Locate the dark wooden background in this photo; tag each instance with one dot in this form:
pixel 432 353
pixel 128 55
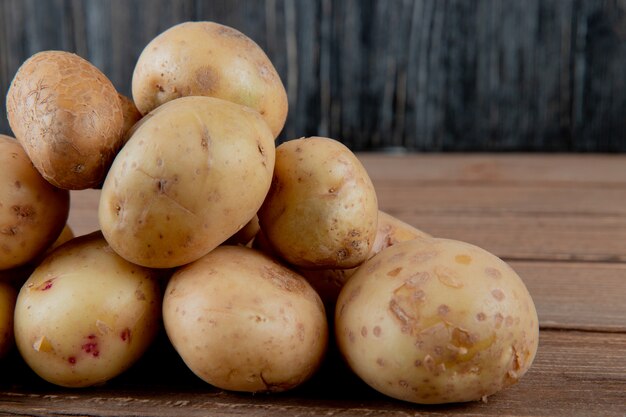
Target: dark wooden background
pixel 429 75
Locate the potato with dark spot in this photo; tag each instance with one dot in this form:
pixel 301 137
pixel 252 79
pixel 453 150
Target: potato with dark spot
pixel 243 322
pixel 328 282
pixel 7 306
pixel 192 174
pixel 209 59
pixel 436 321
pixel 67 116
pixel 32 211
pixel 321 211
pixel 85 314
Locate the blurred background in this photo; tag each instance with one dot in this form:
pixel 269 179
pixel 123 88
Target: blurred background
pixel 415 75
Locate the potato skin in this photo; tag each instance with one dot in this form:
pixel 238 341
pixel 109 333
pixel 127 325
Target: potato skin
pixel 243 322
pixel 67 116
pixel 7 306
pixel 245 235
pixel 32 211
pixel 195 172
pixel 209 59
pixel 321 210
pixel 130 115
pixel 436 321
pixel 328 282
pixel 85 314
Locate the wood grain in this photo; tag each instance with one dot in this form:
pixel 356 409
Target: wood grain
pixel 434 75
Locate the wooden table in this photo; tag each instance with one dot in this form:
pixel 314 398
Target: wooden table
pixel 559 220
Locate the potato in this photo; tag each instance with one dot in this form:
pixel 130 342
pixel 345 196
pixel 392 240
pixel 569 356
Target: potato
pixel 67 116
pixel 435 321
pixel 66 235
pixel 209 59
pixel 130 115
pixel 193 174
pixel 85 315
pixel 243 322
pixel 245 235
pixel 328 282
pixel 7 305
pixel 32 211
pixel 321 210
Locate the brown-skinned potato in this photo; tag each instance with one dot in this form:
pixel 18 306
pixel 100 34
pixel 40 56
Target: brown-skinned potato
pixel 67 116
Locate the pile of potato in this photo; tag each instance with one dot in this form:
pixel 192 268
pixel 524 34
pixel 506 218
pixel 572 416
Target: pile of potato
pixel 243 250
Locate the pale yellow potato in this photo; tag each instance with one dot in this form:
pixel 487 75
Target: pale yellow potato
pixel 321 210
pixel 85 314
pixel 328 282
pixel 436 321
pixel 191 175
pixel 18 275
pixel 7 306
pixel 32 211
pixel 209 59
pixel 67 116
pixel 243 322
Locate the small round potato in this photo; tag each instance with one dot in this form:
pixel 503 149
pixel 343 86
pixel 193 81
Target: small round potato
pixel 7 306
pixel 328 282
pixel 209 59
pixel 243 322
pixel 321 210
pixel 131 115
pixel 85 314
pixel 32 211
pixel 193 174
pixel 436 321
pixel 67 116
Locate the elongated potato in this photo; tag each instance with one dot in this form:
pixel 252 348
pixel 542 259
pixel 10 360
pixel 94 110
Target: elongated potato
pixel 194 173
pixel 209 59
pixel 67 116
pixel 32 211
pixel 243 322
pixel 321 211
pixel 85 314
pixel 436 321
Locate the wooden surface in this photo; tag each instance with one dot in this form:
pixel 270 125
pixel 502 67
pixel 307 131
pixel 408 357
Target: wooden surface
pixel 559 220
pixel 422 74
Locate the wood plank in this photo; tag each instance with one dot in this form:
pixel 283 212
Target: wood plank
pixel 512 169
pixel 574 374
pixel 582 296
pixel 510 236
pixel 496 200
pixel 83 217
